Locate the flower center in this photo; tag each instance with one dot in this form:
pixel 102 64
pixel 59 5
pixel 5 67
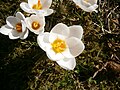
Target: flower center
pixel 19 27
pixel 37 6
pixel 58 45
pixel 35 25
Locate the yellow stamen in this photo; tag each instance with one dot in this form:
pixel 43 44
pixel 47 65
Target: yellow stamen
pixel 35 25
pixel 59 45
pixel 19 27
pixel 37 6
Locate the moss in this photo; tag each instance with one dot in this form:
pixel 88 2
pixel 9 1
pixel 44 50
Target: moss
pixel 24 66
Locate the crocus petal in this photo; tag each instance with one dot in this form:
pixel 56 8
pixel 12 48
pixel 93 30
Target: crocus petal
pixel 5 29
pixel 81 3
pixel 46 37
pixel 87 6
pixel 39 31
pixel 85 3
pixel 12 21
pixel 40 12
pixel 88 9
pixel 76 31
pixel 53 37
pixel 61 29
pixel 52 55
pixel 67 53
pixel 13 35
pixel 75 46
pixel 93 8
pixel 76 1
pixel 24 35
pixel 41 21
pixel 20 16
pixel 32 2
pixel 25 7
pixel 43 40
pixel 36 18
pixel 23 26
pixel 93 1
pixel 45 12
pixel 67 63
pixel 46 3
pixel 48 12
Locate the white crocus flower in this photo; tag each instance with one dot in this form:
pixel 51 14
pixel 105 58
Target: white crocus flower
pixel 36 23
pixel 87 5
pixel 37 6
pixel 63 44
pixel 15 27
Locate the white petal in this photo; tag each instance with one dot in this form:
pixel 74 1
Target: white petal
pixel 54 36
pixel 25 32
pixel 25 7
pixel 93 1
pixel 5 30
pixel 24 35
pixel 40 12
pixel 43 12
pixel 60 29
pixel 82 3
pixel 76 1
pixel 20 16
pixel 76 31
pixel 46 37
pixel 32 2
pixel 40 31
pixel 12 21
pixel 67 63
pixel 43 40
pixel 52 55
pixel 46 3
pixel 75 46
pixel 67 53
pixel 93 7
pixel 85 3
pixel 23 26
pixel 48 12
pixel 35 18
pixel 41 20
pixel 87 6
pixel 12 35
pixel 40 41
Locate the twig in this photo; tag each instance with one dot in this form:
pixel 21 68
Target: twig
pixel 108 20
pixel 112 11
pixel 103 67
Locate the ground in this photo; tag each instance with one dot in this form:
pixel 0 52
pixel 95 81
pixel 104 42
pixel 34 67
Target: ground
pixel 24 66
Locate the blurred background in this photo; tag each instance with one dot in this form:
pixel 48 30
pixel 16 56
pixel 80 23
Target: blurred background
pixel 24 66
